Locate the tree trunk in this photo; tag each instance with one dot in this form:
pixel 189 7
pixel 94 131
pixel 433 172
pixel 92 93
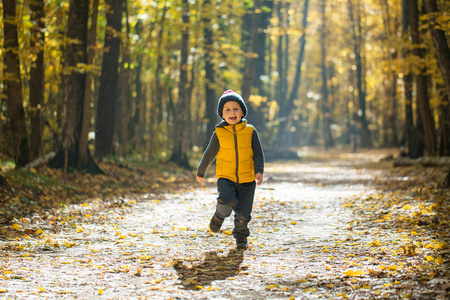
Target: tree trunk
pixel 210 74
pixel 13 80
pixel 249 71
pixel 260 68
pixel 390 130
pixel 440 42
pixel 421 83
pixel 106 108
pixel 139 115
pixel 286 111
pixel 37 77
pixel 280 89
pixel 158 108
pixel 366 140
pixel 88 92
pixel 74 88
pixel 125 95
pixel 409 135
pixel 182 115
pixel 326 126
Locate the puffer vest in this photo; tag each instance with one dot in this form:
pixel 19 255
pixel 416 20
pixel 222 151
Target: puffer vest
pixel 234 161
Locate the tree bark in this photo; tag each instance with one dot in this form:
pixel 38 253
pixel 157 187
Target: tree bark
pixel 182 115
pixel 74 88
pixel 210 74
pixel 13 80
pixel 326 122
pixel 106 108
pixel 366 140
pixel 287 109
pixel 37 76
pixel 421 83
pixel 249 71
pixel 440 42
pixel 125 100
pixel 88 92
pixel 409 135
pixel 260 68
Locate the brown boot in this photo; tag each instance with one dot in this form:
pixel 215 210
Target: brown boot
pixel 215 223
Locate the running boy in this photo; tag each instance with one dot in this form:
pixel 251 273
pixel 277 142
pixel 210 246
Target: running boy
pixel 239 161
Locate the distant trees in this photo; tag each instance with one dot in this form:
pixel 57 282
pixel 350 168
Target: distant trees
pixel 152 72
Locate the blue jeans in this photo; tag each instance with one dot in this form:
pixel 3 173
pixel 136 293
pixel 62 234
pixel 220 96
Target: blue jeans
pixel 237 197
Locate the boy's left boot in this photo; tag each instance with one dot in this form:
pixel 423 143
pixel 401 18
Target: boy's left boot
pixel 215 223
pixel 241 243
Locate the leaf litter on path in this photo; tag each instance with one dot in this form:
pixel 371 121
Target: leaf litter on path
pixel 330 229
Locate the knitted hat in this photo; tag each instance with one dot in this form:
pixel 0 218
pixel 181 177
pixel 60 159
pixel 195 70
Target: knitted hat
pixel 230 95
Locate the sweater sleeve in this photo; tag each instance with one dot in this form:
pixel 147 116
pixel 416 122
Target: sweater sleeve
pixel 258 153
pixel 208 156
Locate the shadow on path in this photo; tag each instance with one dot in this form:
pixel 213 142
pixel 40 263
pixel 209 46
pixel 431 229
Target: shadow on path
pixel 212 267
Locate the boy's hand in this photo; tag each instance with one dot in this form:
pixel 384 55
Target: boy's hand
pixel 259 178
pixel 199 179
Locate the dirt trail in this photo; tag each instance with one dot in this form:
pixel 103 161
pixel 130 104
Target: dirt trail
pixel 160 248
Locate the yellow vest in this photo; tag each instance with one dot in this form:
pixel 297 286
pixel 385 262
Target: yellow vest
pixel 234 160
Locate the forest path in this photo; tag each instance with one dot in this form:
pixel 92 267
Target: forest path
pixel 301 246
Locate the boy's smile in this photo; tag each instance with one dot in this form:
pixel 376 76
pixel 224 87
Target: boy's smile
pixel 232 112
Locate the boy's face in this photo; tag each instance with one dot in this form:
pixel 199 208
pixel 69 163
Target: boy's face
pixel 232 112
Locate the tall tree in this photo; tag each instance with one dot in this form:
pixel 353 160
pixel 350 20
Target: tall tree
pixel 125 99
pixel 409 136
pixel 356 30
pixel 443 56
pixel 423 103
pixel 286 110
pixel 74 87
pixel 439 41
pixel 390 121
pixel 260 68
pixel 106 107
pixel 37 76
pixel 326 115
pixel 88 93
pixel 210 74
pixel 182 115
pixel 249 70
pixel 13 80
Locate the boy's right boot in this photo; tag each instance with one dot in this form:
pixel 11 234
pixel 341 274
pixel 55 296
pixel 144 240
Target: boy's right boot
pixel 215 223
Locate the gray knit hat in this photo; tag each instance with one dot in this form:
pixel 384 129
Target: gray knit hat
pixel 230 95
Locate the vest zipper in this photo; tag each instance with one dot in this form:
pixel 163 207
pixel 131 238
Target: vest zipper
pixel 237 153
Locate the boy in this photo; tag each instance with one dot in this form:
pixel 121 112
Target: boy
pixel 239 161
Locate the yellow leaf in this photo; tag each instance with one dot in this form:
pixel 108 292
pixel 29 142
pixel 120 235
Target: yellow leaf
pixel 16 226
pixel 354 273
pixel 227 232
pixel 429 258
pixel 100 291
pixel 375 243
pixel 293 223
pixel 198 287
pixel 441 245
pixel 39 231
pixel 3 290
pixel 80 229
pixel 439 260
pixel 272 286
pixel 87 216
pixel 41 289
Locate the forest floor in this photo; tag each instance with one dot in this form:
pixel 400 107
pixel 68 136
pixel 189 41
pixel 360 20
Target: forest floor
pixel 333 226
